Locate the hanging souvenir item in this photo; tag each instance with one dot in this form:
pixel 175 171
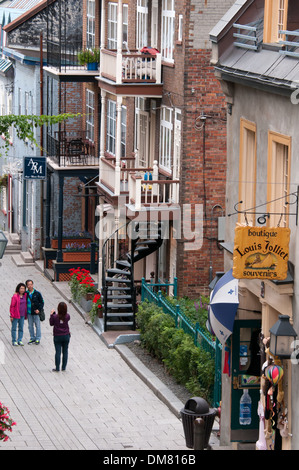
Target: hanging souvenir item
pixel 261 443
pixel 274 374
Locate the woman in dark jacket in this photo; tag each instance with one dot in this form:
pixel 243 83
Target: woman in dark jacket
pixel 61 334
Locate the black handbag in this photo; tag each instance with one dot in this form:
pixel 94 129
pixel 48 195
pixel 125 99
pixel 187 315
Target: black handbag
pixel 42 315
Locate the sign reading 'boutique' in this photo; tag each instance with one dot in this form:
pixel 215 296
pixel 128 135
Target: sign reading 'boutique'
pixel 261 253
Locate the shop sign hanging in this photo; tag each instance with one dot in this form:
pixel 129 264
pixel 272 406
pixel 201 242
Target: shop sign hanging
pixel 261 253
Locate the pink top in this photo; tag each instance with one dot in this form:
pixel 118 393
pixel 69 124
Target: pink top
pixel 15 311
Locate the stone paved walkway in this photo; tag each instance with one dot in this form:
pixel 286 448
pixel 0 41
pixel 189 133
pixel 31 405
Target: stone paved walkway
pixel 97 403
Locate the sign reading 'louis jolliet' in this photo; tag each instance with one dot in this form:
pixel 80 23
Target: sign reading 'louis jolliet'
pixel 261 253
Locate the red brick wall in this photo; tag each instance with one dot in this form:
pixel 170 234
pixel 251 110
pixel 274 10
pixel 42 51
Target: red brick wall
pixel 203 178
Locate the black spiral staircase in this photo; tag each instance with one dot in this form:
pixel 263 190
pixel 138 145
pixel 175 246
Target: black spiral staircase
pixel 118 288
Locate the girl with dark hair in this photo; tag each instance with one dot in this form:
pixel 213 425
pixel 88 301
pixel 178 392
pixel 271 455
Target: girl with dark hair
pixel 61 334
pixel 18 314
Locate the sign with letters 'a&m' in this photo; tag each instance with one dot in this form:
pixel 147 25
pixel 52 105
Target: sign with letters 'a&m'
pixel 261 253
pixel 35 168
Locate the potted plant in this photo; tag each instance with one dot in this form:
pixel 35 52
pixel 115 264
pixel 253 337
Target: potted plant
pixel 82 287
pixel 96 309
pixel 89 57
pixel 6 423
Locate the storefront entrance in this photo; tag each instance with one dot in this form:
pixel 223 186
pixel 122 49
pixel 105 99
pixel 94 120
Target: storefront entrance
pixel 246 366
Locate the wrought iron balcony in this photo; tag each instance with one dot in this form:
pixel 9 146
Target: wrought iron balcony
pixel 71 149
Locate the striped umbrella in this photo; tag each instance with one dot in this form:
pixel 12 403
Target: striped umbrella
pixel 224 302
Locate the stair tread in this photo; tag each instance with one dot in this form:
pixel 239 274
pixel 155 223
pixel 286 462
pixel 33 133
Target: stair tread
pixel 118 271
pixel 119 315
pixel 110 297
pixel 123 263
pixel 117 279
pixel 119 288
pixel 147 241
pixel 120 323
pixel 115 306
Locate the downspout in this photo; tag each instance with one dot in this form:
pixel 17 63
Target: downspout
pixel 41 144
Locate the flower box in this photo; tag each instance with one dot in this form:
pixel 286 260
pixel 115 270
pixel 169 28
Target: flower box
pixel 76 256
pixel 66 241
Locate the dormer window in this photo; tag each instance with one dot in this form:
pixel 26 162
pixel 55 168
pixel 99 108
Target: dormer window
pixel 276 13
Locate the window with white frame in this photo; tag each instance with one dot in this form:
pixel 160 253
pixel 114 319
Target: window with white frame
pixel 167 35
pixel 125 23
pixel 90 26
pixel 89 120
pixel 112 26
pixel 123 130
pixel 111 126
pixel 165 138
pixel 142 24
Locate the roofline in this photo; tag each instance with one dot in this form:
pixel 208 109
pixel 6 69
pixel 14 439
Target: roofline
pixel 235 11
pixel 27 15
pixel 259 82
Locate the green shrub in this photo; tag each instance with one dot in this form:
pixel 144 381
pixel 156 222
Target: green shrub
pixel 190 365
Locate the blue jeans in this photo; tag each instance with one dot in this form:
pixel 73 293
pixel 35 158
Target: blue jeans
pixel 61 346
pixel 17 324
pixel 34 321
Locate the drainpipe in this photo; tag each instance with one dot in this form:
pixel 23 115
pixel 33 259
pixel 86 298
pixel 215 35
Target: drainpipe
pixel 41 78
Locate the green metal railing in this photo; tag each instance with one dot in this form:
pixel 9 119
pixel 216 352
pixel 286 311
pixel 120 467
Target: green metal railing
pixel 152 292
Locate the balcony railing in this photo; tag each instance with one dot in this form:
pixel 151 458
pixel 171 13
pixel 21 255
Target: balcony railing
pixel 71 148
pixel 290 45
pixel 152 193
pixel 249 36
pixel 133 67
pixel 142 184
pixel 63 57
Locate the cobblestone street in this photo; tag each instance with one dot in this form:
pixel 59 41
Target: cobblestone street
pixel 97 403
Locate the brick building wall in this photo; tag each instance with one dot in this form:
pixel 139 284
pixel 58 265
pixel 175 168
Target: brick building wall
pixel 203 164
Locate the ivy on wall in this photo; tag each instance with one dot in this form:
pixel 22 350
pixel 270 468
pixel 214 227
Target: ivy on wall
pixel 26 124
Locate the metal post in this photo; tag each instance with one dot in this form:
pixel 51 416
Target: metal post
pixel 48 211
pixel 93 258
pixel 60 219
pixel 175 287
pixel 177 316
pixel 142 289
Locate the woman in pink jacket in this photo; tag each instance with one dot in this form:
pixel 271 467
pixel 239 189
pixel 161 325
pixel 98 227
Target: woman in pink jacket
pixel 18 313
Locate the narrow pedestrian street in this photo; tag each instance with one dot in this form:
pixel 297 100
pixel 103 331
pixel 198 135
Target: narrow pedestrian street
pixel 97 403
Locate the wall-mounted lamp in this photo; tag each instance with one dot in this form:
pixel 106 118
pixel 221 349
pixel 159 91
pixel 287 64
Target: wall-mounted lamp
pixel 282 335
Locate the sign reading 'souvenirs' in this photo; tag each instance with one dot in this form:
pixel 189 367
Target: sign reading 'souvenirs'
pixel 261 253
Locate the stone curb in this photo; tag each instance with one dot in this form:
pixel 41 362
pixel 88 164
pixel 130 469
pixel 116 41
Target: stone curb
pixel 148 377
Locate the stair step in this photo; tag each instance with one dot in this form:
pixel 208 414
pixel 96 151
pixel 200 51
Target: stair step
pixel 118 271
pixel 116 306
pixel 117 279
pixel 119 288
pixel 119 315
pixel 123 263
pixel 120 323
pixel 148 242
pixel 27 257
pixel 111 297
pixel 141 248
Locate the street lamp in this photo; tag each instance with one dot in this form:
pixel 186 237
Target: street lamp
pixel 282 335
